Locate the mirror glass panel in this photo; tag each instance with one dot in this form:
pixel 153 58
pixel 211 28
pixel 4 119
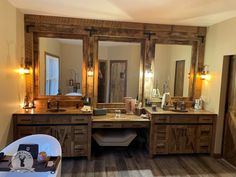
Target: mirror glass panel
pixel 60 66
pixel 172 66
pixel 119 66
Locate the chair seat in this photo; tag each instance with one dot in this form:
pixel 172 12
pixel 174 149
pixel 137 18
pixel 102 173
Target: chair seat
pixel 114 138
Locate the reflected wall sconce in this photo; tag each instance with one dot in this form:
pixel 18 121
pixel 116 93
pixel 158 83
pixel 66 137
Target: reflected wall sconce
pixel 148 74
pixel 90 67
pixel 204 75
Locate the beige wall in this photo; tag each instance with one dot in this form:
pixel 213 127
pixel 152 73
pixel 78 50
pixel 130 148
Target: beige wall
pixel 220 41
pixel 12 90
pixel 71 63
pixel 164 65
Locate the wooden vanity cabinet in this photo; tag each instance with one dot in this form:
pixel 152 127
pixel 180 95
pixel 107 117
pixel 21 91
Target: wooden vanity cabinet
pixel 180 134
pixel 72 131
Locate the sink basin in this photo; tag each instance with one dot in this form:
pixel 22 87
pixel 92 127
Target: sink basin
pixel 178 110
pixel 56 110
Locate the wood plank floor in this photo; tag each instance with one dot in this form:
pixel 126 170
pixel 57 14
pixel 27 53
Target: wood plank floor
pixel 116 163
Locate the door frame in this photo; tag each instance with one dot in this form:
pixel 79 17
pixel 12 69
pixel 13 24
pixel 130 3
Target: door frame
pixel 106 78
pixel 175 76
pixel 224 96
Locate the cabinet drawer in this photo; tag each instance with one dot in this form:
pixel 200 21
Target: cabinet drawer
pixel 106 125
pixel 41 119
pixel 161 119
pixel 184 119
pixel 161 147
pixel 79 119
pixel 60 119
pixel 80 150
pixel 135 125
pixel 80 134
pixel 205 119
pixel 24 119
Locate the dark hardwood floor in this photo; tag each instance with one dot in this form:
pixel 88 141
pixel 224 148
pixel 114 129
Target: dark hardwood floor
pixel 117 163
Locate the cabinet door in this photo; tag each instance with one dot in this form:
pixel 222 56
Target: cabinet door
pixel 23 131
pixel 47 130
pixel 204 137
pixel 63 135
pixel 182 139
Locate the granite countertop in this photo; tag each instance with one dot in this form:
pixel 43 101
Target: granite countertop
pixel 123 117
pixel 67 111
pixel 189 112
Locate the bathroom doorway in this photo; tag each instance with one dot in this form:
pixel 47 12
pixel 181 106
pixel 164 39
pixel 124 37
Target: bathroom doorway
pixel 229 139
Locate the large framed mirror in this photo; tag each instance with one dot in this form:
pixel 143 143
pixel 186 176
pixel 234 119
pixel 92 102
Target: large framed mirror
pixel 174 69
pixel 172 66
pixel 59 67
pixel 119 66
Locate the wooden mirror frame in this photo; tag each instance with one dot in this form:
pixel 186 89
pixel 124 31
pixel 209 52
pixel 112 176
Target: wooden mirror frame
pixel 75 28
pixel 36 68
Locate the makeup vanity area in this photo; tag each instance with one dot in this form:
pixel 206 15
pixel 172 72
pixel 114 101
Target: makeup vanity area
pixel 107 61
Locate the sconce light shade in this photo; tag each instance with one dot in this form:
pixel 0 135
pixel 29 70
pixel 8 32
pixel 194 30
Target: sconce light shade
pixel 90 71
pixel 148 74
pixel 205 73
pixel 24 70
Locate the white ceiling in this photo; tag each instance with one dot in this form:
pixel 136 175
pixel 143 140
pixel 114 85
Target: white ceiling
pixel 181 12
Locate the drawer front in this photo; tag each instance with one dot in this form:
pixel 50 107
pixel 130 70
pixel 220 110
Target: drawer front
pixel 205 119
pixel 41 119
pixel 60 119
pixel 80 134
pixel 184 119
pixel 24 119
pixel 161 132
pixel 79 119
pixel 107 125
pixel 161 147
pixel 79 150
pixel 135 125
pixel 161 119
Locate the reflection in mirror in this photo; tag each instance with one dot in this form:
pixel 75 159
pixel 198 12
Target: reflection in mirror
pixel 60 66
pixel 52 74
pixel 119 65
pixel 172 65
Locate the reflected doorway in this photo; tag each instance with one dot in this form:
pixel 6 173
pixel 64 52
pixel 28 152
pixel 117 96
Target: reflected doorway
pixel 102 81
pixel 118 80
pixel 179 78
pixel 229 141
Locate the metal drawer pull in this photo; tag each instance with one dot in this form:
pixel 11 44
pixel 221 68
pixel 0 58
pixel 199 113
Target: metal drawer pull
pixel 77 119
pixel 160 145
pixel 79 133
pixel 107 125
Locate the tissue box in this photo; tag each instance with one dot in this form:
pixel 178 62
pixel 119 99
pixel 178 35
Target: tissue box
pixel 99 111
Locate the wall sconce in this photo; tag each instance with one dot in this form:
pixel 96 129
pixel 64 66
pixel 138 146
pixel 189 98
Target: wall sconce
pixel 90 67
pixel 24 70
pixel 205 73
pixel 148 73
pixel 90 71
